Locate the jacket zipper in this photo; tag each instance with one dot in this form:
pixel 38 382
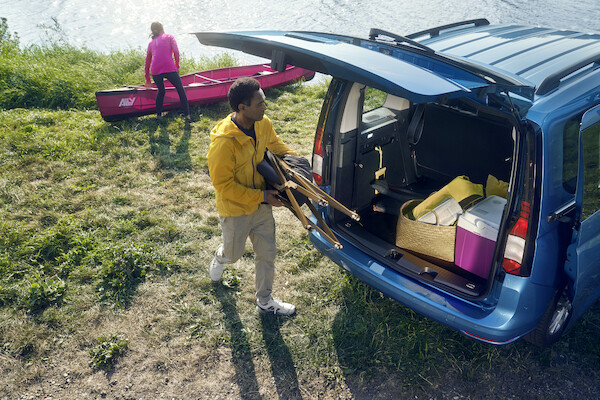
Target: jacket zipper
pixel 253 166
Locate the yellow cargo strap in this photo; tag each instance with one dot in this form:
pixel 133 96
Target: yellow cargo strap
pixel 380 173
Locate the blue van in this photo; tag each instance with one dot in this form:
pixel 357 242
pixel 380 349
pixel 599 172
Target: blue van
pixel 405 115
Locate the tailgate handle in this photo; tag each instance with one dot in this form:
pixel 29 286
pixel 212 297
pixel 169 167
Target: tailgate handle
pixel 278 60
pixel 564 213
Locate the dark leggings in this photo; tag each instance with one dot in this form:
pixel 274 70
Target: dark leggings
pixel 175 80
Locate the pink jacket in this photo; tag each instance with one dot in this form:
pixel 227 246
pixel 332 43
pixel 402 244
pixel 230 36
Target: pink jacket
pixel 159 56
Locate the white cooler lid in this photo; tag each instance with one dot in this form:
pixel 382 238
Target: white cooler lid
pixel 483 218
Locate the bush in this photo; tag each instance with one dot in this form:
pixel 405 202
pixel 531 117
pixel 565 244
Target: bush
pixel 59 75
pixel 62 77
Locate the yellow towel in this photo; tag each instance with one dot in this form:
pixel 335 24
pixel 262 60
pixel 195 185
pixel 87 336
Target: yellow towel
pixel 496 187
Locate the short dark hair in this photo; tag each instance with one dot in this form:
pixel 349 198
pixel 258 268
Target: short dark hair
pixel 241 92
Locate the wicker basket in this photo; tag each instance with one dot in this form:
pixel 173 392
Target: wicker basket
pixel 420 237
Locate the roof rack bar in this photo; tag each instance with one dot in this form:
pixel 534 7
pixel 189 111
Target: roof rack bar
pixel 436 31
pixel 374 32
pixel 552 81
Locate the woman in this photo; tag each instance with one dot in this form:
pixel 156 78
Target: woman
pixel 159 61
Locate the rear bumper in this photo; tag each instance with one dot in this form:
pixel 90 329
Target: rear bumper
pixel 517 311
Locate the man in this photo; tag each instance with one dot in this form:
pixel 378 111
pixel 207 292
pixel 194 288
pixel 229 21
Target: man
pixel 237 146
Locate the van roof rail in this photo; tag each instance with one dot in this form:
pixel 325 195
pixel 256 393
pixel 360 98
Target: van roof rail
pixel 436 31
pixel 552 81
pixel 374 32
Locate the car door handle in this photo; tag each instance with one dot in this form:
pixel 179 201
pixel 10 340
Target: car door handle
pixel 562 213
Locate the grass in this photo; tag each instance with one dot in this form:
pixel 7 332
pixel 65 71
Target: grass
pixel 107 351
pixel 105 236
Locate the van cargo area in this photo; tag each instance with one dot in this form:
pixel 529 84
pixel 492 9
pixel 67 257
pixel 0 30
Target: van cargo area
pixel 407 153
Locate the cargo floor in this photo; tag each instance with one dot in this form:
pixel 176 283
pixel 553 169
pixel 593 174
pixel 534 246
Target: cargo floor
pixel 382 226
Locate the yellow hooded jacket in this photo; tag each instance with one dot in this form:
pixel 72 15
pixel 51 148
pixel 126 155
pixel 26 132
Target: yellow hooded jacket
pixel 232 160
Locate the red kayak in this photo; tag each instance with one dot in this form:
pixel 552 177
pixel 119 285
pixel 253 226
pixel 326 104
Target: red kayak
pixel 203 87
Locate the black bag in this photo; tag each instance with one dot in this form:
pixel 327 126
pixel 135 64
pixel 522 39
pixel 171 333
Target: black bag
pixel 299 164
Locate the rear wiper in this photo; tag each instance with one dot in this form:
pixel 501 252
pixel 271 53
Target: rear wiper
pixel 398 39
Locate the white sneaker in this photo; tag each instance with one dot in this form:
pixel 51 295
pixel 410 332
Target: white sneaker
pixel 215 270
pixel 276 307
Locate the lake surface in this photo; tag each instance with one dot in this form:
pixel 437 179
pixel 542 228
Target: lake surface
pixel 116 24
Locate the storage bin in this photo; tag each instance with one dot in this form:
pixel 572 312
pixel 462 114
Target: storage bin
pixel 476 234
pixel 432 240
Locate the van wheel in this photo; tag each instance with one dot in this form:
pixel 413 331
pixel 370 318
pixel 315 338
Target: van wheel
pixel 553 323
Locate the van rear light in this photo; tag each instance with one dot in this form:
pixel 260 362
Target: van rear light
pixel 317 159
pixel 516 242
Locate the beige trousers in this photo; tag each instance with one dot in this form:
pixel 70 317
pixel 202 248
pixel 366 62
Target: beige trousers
pixel 260 227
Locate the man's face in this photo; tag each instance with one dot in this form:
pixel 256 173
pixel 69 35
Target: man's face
pixel 256 110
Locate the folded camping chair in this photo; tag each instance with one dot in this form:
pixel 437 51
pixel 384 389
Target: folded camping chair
pixel 296 183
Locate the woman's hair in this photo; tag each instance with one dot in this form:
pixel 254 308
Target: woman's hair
pixel 156 28
pixel 242 91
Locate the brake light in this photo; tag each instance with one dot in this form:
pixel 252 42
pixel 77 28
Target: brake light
pixel 317 159
pixel 516 241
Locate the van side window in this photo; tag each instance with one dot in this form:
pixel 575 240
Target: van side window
pixel 374 98
pixel 374 109
pixel 591 171
pixel 570 154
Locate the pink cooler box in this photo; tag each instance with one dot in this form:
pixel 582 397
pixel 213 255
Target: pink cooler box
pixel 476 234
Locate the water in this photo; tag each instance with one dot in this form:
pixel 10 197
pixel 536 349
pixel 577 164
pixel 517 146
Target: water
pixel 117 24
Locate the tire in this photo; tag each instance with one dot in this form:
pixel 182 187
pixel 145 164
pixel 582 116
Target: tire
pixel 554 321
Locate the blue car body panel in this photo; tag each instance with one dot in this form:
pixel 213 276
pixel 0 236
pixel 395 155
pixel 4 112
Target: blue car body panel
pixel 399 71
pixel 530 53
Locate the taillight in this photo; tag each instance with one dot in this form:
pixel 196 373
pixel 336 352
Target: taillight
pixel 514 250
pixel 321 150
pixel 317 159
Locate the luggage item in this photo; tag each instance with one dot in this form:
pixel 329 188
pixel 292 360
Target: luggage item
pixel 460 188
pixel 476 234
pixel 297 182
pixel 431 240
pixel 300 164
pixel 446 213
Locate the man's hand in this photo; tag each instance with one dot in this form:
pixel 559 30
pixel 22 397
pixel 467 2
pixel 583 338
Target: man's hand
pixel 272 198
pixel 148 84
